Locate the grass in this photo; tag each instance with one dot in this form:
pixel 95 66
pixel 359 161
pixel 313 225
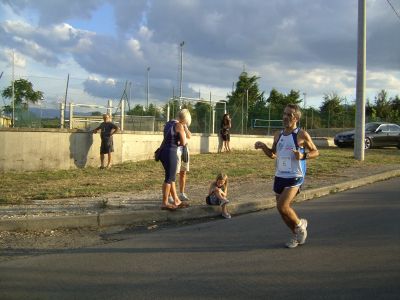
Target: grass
pixel 22 187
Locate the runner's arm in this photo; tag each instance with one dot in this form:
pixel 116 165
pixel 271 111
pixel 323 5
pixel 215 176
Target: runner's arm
pixel 270 152
pixel 309 145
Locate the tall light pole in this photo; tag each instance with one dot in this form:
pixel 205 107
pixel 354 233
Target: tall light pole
pixel 305 108
pixel 13 90
pixel 147 94
pixel 269 116
pixel 360 88
pixel 247 108
pixel 181 73
pixel 242 111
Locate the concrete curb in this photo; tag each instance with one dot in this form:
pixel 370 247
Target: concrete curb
pixel 108 219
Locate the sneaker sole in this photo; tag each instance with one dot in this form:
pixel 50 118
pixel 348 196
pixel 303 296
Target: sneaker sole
pixel 305 233
pixel 291 247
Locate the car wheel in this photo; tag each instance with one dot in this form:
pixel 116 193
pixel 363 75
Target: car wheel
pixel 368 143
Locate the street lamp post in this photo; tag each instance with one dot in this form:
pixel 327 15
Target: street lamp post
pixel 181 73
pixel 269 116
pixel 147 92
pixel 13 90
pixel 247 108
pixel 305 108
pixel 41 111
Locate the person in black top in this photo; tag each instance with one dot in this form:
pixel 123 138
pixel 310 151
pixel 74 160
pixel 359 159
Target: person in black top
pixel 107 128
pixel 226 124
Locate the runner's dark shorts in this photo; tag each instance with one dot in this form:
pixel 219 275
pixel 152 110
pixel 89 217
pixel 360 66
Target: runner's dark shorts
pixel 107 146
pixel 281 183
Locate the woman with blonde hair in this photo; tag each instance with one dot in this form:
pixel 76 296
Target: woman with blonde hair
pixel 174 136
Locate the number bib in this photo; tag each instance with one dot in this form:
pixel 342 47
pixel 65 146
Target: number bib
pixel 284 164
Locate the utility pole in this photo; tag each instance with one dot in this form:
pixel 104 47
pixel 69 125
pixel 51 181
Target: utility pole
pixel 269 116
pixel 305 108
pixel 148 71
pixel 13 90
pixel 242 111
pixel 247 109
pixel 66 95
pixel 181 74
pixel 360 89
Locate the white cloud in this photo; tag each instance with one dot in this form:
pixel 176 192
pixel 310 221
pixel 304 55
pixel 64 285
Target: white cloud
pixel 9 56
pixel 134 46
pixel 303 45
pixel 145 33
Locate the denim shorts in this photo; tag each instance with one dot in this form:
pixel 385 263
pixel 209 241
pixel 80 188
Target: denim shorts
pixel 281 183
pixel 212 200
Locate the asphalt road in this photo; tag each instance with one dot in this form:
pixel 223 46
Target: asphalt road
pixel 353 252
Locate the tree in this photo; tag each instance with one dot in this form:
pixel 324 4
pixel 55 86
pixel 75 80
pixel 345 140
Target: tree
pixel 395 109
pixel 23 93
pixel 382 105
pixel 370 111
pixel 279 100
pixel 246 100
pixel 202 116
pixel 332 110
pixel 137 110
pixel 152 110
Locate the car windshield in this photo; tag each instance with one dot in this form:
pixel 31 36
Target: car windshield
pixel 371 126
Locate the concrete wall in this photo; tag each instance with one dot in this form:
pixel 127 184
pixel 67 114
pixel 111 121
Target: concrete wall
pixel 29 150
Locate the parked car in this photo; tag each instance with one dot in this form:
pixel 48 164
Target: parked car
pixel 377 134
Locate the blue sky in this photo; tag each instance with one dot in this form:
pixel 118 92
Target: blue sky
pixel 309 46
pixel 101 21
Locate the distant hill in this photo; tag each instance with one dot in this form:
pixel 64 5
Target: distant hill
pixel 51 113
pixel 48 113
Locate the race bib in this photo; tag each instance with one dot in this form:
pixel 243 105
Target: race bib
pixel 284 164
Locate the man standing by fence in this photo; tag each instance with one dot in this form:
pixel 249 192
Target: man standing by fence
pixel 107 145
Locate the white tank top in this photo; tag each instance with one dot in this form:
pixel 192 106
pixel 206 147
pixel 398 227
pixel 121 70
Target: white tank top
pixel 287 166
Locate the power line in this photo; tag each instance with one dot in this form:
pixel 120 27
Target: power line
pixel 397 14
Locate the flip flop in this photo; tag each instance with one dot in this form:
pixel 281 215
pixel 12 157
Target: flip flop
pixel 170 208
pixel 183 205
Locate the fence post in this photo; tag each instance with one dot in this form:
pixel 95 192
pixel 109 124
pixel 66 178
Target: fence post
pixel 62 114
pixel 71 115
pixel 213 120
pixel 122 115
pixel 168 111
pixel 109 108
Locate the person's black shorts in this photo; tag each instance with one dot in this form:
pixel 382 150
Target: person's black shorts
pixel 107 146
pixel 281 183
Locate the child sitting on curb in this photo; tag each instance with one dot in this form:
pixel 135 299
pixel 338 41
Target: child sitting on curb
pixel 217 194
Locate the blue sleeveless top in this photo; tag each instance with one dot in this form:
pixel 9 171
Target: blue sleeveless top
pixel 171 137
pixel 287 166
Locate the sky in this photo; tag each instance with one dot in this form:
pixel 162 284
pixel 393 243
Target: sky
pixel 107 46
